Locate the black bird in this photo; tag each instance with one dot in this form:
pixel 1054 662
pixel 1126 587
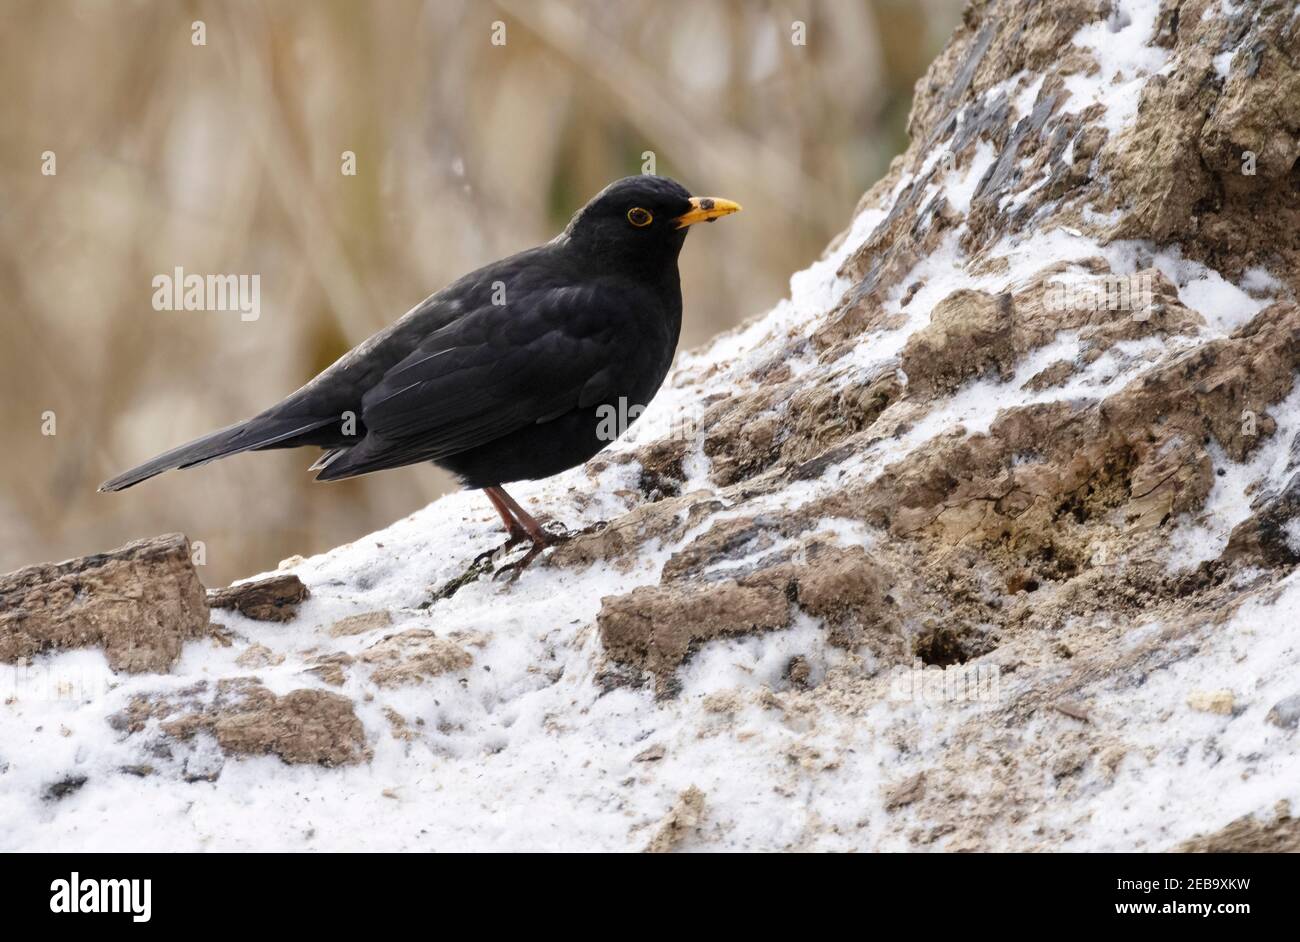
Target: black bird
pixel 508 373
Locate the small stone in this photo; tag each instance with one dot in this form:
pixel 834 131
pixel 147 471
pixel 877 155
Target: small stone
pixel 259 655
pixel 797 672
pixel 683 819
pixel 331 668
pixel 57 791
pixel 1212 701
pixel 273 599
pixel 1285 713
pixel 1074 711
pixel 356 624
pixel 905 792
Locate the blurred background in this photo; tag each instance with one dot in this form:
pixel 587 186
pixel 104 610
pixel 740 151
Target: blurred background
pixel 225 158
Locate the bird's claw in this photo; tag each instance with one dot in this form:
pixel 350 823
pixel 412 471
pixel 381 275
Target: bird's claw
pixel 551 533
pixel 499 552
pixel 510 572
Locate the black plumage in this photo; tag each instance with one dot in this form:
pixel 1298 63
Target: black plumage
pixel 502 375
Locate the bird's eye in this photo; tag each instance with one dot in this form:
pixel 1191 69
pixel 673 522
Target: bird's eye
pixel 639 217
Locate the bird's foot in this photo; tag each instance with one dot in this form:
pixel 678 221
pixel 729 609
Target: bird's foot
pixel 492 555
pixel 511 572
pixel 546 536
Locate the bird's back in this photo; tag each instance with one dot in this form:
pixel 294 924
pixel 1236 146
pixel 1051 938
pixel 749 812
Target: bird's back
pixel 534 340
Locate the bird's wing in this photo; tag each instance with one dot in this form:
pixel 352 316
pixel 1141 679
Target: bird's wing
pixel 493 371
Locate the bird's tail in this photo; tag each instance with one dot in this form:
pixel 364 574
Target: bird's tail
pixel 261 432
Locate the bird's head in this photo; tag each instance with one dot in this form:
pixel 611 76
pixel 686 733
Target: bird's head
pixel 641 222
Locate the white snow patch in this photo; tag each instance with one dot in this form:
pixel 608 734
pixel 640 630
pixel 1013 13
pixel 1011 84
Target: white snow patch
pixel 1223 63
pixel 1236 486
pixel 1186 772
pixel 1121 44
pixel 961 188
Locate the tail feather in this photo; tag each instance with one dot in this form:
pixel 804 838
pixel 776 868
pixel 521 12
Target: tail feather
pixel 261 432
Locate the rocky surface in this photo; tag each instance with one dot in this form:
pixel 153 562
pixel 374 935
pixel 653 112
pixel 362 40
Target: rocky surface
pixel 302 726
pixel 986 539
pixel 138 604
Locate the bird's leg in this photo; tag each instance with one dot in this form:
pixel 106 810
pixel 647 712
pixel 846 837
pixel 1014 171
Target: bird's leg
pixel 516 532
pixel 541 538
pixel 502 504
pixel 525 519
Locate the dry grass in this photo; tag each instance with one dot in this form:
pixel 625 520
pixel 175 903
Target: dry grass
pixel 226 159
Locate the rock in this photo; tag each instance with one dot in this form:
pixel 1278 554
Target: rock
pixel 666 519
pixel 847 589
pixel 139 604
pixel 969 333
pixel 661 468
pixel 275 598
pixel 1278 833
pixel 57 791
pixel 1211 701
pixel 399 725
pixel 654 627
pixel 798 672
pixel 1074 711
pixel 331 668
pixel 725 703
pixel 905 792
pixel 1285 713
pixel 724 541
pixel 302 726
pixel 258 655
pixel 1054 375
pixel 413 656
pixel 682 820
pixel 1267 536
pixel 360 623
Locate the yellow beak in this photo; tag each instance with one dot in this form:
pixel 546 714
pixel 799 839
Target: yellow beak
pixel 706 209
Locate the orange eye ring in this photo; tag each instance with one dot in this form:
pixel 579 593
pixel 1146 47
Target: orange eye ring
pixel 639 217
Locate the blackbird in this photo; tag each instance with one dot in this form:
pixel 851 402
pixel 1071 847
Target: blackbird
pixel 509 373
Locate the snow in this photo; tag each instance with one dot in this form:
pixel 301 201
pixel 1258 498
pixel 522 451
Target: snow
pixel 963 188
pixel 1121 44
pixel 1187 771
pixel 1025 99
pixel 1236 485
pixel 1223 63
